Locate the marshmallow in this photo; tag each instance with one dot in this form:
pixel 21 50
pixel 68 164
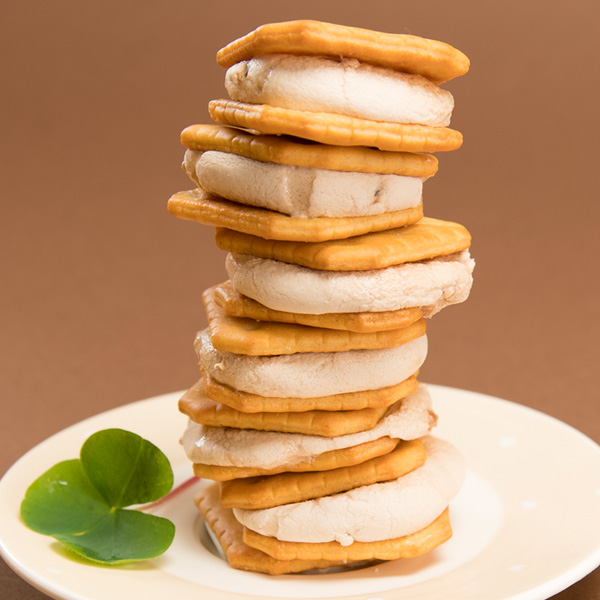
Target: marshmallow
pixel 431 284
pixel 346 87
pixel 370 513
pixel 311 374
pixel 301 191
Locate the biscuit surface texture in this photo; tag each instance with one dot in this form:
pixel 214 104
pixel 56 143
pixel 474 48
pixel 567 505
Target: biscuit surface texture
pixel 290 151
pixel 267 338
pixel 435 60
pixel 286 488
pixel 426 239
pixel 200 409
pixel 202 207
pixel 335 129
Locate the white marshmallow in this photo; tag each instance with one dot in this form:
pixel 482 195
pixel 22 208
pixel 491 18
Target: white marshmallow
pixel 301 191
pixel 346 87
pixel 431 284
pixel 311 374
pixel 410 419
pixel 371 513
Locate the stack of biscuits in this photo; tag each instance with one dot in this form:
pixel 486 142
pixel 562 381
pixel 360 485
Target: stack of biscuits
pixel 308 415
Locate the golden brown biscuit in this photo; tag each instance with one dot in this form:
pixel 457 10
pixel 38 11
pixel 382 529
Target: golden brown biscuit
pixel 288 151
pixel 434 60
pixel 229 534
pixel 334 459
pixel 335 129
pixel 237 305
pixel 268 338
pixel 275 490
pixel 409 546
pixel 429 238
pixel 203 410
pixel 201 207
pixel 247 402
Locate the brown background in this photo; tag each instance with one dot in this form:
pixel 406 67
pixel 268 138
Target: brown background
pixel 101 287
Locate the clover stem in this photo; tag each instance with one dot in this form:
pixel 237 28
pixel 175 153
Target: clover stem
pixel 174 492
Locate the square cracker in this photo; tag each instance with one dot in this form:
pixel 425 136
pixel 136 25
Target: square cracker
pixel 429 238
pixel 268 338
pixel 201 409
pixel 229 534
pixel 238 305
pixel 335 129
pixel 275 490
pixel 292 151
pixel 437 61
pixel 202 207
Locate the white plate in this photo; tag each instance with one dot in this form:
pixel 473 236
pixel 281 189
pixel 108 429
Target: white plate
pixel 527 521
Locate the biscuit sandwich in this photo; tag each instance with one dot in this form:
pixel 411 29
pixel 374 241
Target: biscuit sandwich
pixel 308 415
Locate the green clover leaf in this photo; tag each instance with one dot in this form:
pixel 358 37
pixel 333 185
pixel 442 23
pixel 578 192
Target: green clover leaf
pixel 82 502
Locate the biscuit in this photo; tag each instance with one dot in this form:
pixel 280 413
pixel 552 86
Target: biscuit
pixel 268 338
pixel 237 305
pixel 335 129
pixel 247 402
pixel 408 546
pixel 201 409
pixel 429 238
pixel 287 151
pixel 266 492
pixel 229 535
pixel 434 60
pixel 333 459
pixel 201 207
